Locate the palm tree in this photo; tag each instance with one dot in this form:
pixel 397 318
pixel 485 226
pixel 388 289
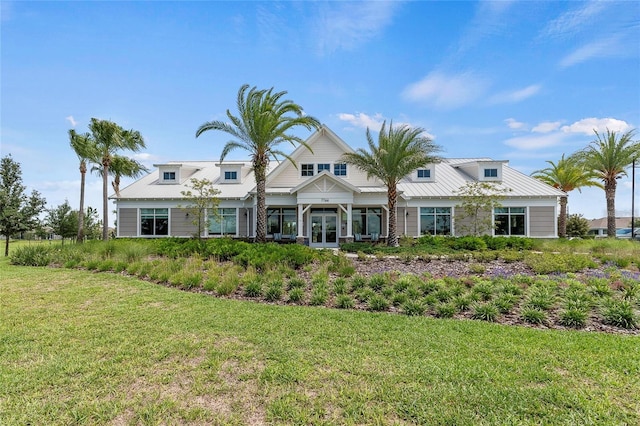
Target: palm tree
pixel 399 152
pixel 566 175
pixel 608 156
pixel 83 146
pixel 263 123
pixel 121 167
pixel 109 139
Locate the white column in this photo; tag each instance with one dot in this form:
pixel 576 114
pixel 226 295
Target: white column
pixel 300 221
pixel 349 221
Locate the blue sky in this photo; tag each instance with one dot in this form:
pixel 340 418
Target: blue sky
pixel 518 81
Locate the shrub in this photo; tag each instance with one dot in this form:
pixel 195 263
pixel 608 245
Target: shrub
pixel 483 290
pixel 547 263
pixel 399 299
pixel 296 295
pixel 577 226
pixel 413 308
pixel 575 318
pixel 533 315
pixel 253 288
pixel 377 282
pixel 505 303
pixel 469 243
pixel 477 268
pixel 358 282
pixel 296 282
pixel 344 301
pixel 462 303
pixel 340 286
pixel 619 313
pixel 35 255
pixel 378 303
pixel 485 256
pixel 319 295
pixel 106 265
pixel 228 284
pixel 445 310
pixel 485 312
pixel 274 291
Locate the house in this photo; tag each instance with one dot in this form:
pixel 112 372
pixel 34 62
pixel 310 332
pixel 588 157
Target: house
pixel 598 227
pixel 324 202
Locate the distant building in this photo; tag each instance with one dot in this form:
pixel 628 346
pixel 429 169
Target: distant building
pixel 598 227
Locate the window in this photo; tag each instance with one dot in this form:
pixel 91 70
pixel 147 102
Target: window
pixel 154 221
pixel 435 220
pixel 169 176
pixel 306 170
pixel 324 166
pixel 424 173
pixel 509 220
pixel 366 220
pixel 340 169
pixel 282 221
pixel 224 223
pixel 230 175
pixel 491 173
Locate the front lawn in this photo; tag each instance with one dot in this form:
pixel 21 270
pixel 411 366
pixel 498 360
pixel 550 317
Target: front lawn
pixel 79 347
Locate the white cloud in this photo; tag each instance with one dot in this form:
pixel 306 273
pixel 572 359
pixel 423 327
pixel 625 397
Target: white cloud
pixel 547 126
pixel 71 120
pixel 588 125
pixel 533 142
pixel 599 49
pixel 363 120
pixel 514 124
pixel 446 91
pixel 515 95
pixel 347 25
pixel 574 20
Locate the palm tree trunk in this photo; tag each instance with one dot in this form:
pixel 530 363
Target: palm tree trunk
pixel 105 201
pixel 562 220
pixel 83 172
pixel 260 170
pixel 610 193
pixel 392 195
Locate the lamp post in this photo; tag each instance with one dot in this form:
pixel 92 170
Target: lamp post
pixel 633 198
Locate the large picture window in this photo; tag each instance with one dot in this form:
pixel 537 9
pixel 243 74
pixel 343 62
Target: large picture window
pixel 224 223
pixel 154 221
pixel 510 221
pixel 435 220
pixel 367 221
pixel 281 221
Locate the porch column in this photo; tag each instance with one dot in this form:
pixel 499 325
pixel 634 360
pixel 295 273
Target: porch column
pixel 349 221
pixel 300 219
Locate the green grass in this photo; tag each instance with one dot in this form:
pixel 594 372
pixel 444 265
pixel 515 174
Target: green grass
pixel 78 347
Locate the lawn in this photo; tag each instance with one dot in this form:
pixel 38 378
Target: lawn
pixel 80 347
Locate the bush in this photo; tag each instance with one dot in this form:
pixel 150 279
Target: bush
pixel 32 255
pixel 445 310
pixel 619 313
pixel 485 312
pixel 477 268
pixel 319 295
pixel 575 318
pixel 296 295
pixel 378 303
pixel 469 243
pixel 344 301
pixel 533 316
pixel 253 288
pixel 577 226
pixel 274 291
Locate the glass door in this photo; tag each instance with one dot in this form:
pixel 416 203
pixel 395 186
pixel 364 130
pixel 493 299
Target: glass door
pixel 324 230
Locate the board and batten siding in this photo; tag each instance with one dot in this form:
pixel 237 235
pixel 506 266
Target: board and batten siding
pixel 542 221
pixel 128 222
pixel 408 224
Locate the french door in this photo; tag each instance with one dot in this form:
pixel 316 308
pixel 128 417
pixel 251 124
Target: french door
pixel 324 230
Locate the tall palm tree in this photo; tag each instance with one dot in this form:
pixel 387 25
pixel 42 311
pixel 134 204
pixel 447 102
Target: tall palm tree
pixel 121 167
pixel 83 146
pixel 566 175
pixel 109 139
pixel 263 123
pixel 398 153
pixel 608 156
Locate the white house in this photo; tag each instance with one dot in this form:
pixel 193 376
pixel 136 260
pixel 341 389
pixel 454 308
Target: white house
pixel 323 201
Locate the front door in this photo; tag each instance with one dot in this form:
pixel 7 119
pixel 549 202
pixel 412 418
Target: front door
pixel 324 230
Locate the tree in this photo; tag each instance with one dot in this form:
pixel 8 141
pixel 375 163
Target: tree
pixel 202 202
pixel 109 139
pixel 577 226
pixel 18 211
pixel 121 167
pixel 63 220
pixel 264 122
pixel 608 156
pixel 477 203
pixel 399 152
pixel 566 175
pixel 84 147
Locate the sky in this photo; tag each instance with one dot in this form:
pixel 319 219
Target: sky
pixel 521 81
